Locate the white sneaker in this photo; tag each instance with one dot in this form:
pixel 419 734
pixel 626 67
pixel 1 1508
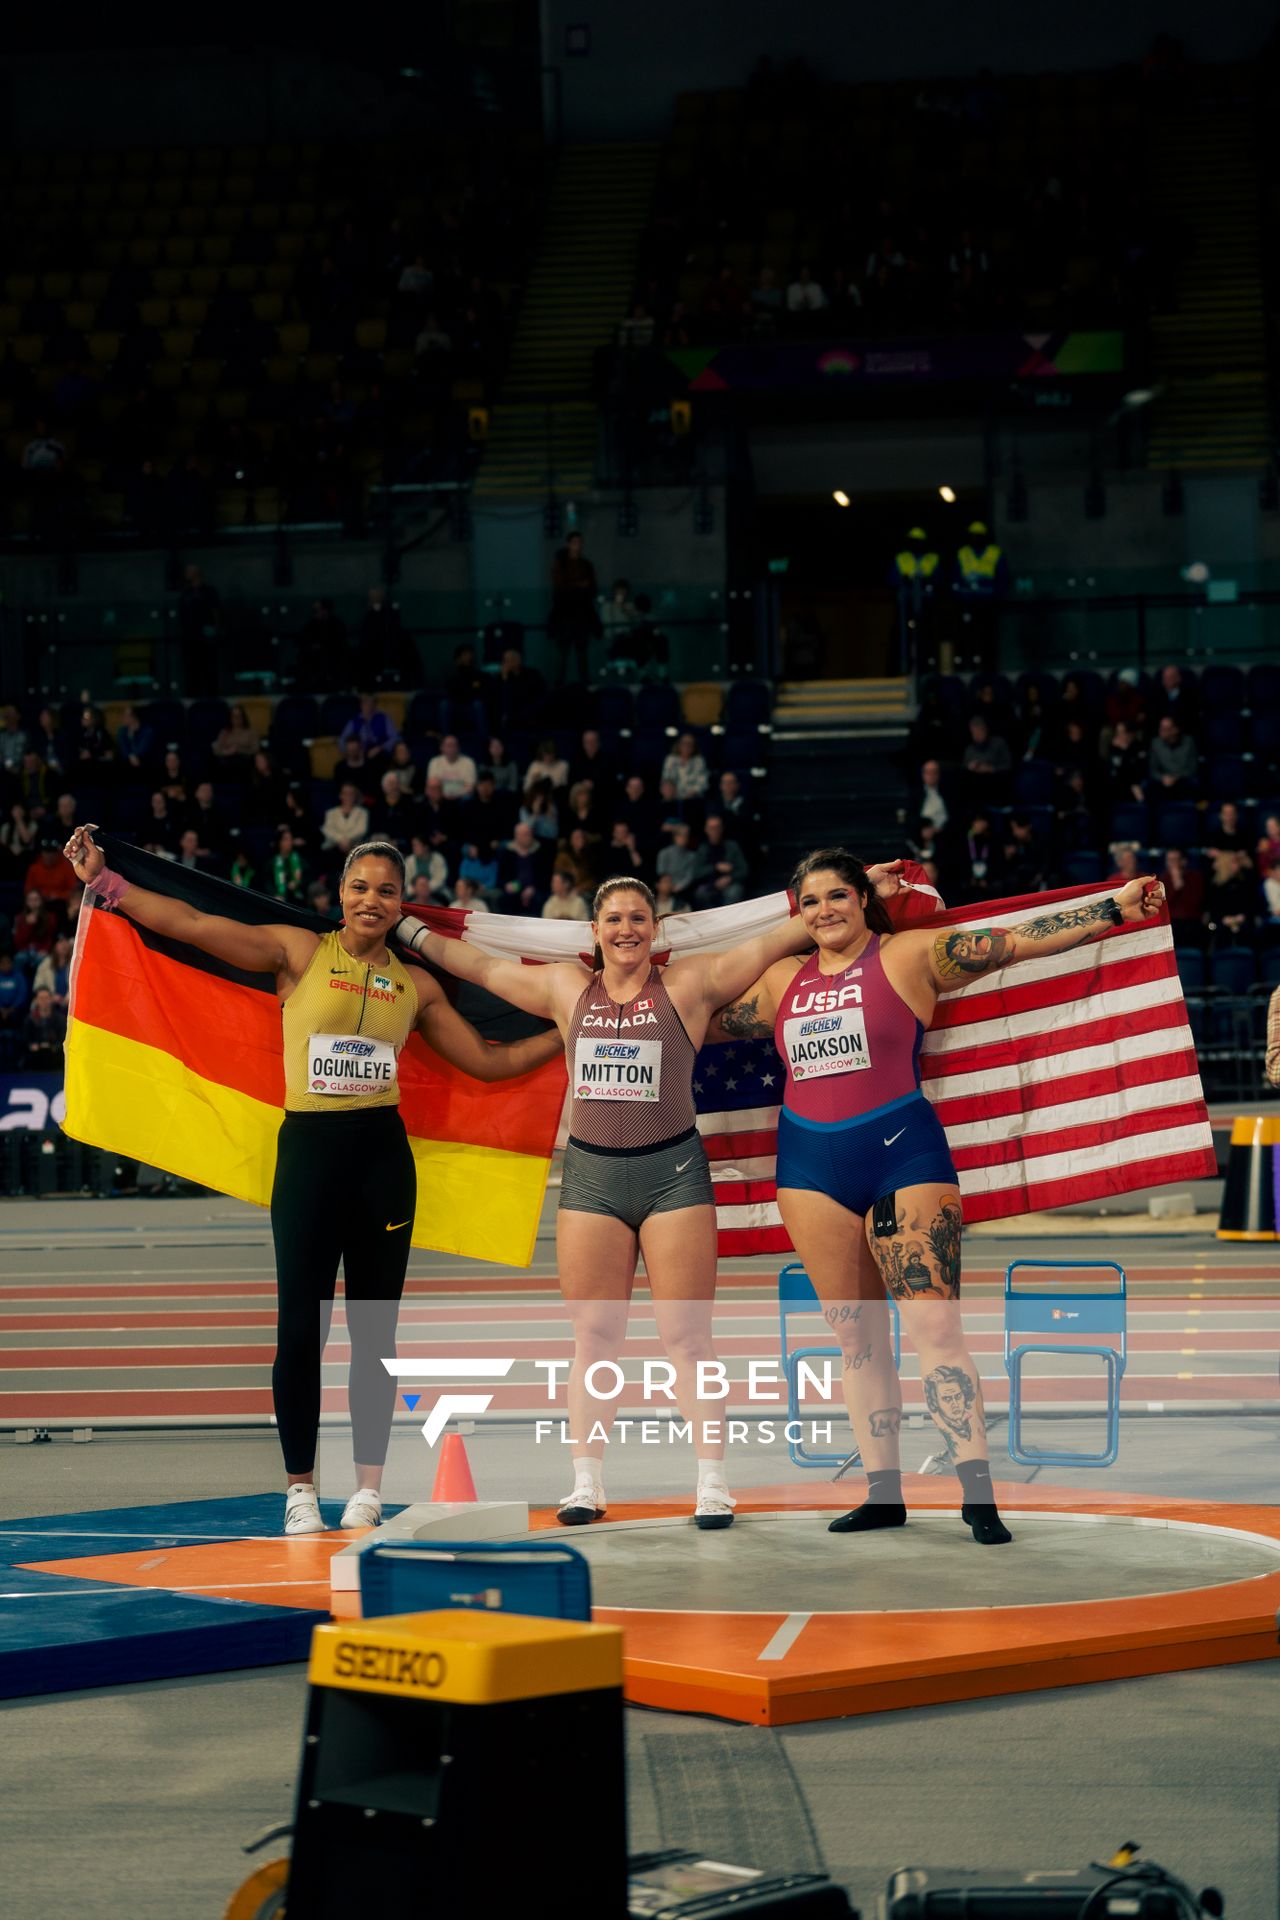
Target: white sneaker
pixel 584 1504
pixel 715 1506
pixel 302 1510
pixel 363 1509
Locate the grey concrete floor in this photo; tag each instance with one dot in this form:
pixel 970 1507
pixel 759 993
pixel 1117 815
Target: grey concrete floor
pixel 131 1803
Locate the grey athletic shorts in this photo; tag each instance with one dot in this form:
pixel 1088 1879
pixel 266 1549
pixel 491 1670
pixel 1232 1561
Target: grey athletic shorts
pixel 638 1181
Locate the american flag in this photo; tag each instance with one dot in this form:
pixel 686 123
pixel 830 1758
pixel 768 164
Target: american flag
pixel 1072 1077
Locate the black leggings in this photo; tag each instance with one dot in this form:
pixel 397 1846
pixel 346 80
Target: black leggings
pixel 342 1179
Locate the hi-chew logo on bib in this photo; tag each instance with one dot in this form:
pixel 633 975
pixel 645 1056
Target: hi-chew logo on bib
pixel 617 1069
pixel 826 1043
pixel 344 1063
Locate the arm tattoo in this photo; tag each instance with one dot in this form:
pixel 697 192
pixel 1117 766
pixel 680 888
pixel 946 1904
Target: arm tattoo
pixel 885 1423
pixel 970 952
pixel 742 1021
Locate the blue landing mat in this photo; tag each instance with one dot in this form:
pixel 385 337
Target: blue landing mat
pixel 62 1633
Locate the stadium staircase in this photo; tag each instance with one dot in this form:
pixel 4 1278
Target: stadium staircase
pixel 1209 353
pixel 542 436
pixel 837 772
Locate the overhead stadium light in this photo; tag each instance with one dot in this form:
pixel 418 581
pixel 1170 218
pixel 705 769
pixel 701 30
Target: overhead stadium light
pixel 948 494
pixel 841 499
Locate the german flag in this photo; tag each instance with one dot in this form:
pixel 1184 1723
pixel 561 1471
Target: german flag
pixel 175 1059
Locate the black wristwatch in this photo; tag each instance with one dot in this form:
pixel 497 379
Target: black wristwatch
pixel 1114 914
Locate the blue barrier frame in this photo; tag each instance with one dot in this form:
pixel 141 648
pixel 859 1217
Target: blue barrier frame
pixel 1037 1311
pixel 797 1294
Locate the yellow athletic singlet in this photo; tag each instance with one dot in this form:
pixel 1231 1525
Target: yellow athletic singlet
pixel 344 1026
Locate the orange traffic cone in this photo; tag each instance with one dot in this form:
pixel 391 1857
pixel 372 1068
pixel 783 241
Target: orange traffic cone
pixel 453 1475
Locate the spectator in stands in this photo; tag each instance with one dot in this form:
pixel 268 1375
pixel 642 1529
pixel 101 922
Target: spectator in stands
pixel 267 788
pixel 987 761
pixel 44 453
pixel 480 866
pixel 432 338
pixel 18 836
pixel 1175 699
pixel 351 763
pixel 523 871
pixel 15 991
pixel 454 769
pixel 437 816
pixel 324 658
pixel 374 730
pixel 591 762
pixel 426 863
pixel 1125 771
pixel 638 809
pixel 996 711
pixel 1173 762
pixel 489 816
pixel 549 765
pixel 1271 895
pixel 580 856
pixel 467 896
pixel 173 782
pixel 466 680
pixel 199 621
pixel 1268 849
pixel 981 857
pixel 1184 890
pixel 189 854
pixel 13 740
pixel 679 862
pixel 66 817
pixel 686 769
pixel 623 852
pixel 237 742
pixel 1127 865
pixel 135 740
pixel 51 741
pixel 43 1033
pixel 505 776
pixel 933 805
pixel 539 811
pixel 288 869
pixel 564 902
pixel 162 828
pixel 93 748
pixel 583 809
pixel 243 872
pixel 1026 856
pixel 32 785
pixel 721 873
pixel 402 765
pixel 395 817
pixel 1125 703
pixel 516 694
pixel 33 931
pixel 207 818
pixel 53 975
pixel 47 874
pixel 573 621
pixel 346 824
pixel 1232 899
pixel 765 302
pixel 620 618
pixel 1226 836
pixel 805 295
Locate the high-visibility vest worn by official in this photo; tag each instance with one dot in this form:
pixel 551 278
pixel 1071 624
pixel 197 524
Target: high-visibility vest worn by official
pixel 912 567
pixel 978 572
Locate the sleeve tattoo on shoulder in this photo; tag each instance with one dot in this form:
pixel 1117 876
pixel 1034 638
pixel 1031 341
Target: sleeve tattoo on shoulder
pixel 969 952
pixel 743 1021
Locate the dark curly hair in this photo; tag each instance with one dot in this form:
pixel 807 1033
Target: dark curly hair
pixel 851 870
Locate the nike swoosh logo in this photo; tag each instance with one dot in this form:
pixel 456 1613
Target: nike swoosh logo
pixel 685 1163
pixel 394 1226
pixel 337 969
pixel 895 1136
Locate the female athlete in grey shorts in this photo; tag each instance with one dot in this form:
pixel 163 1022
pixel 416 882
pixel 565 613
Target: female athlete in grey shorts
pixel 635 1172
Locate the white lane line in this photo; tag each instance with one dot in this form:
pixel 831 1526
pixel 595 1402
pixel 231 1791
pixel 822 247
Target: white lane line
pixel 786 1636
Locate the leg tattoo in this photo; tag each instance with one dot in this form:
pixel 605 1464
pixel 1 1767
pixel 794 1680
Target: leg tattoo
pixel 886 1423
pixel 852 1361
pixel 950 1395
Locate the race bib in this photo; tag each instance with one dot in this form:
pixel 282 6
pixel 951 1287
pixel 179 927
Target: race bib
pixel 617 1069
pixel 819 1044
pixel 345 1063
